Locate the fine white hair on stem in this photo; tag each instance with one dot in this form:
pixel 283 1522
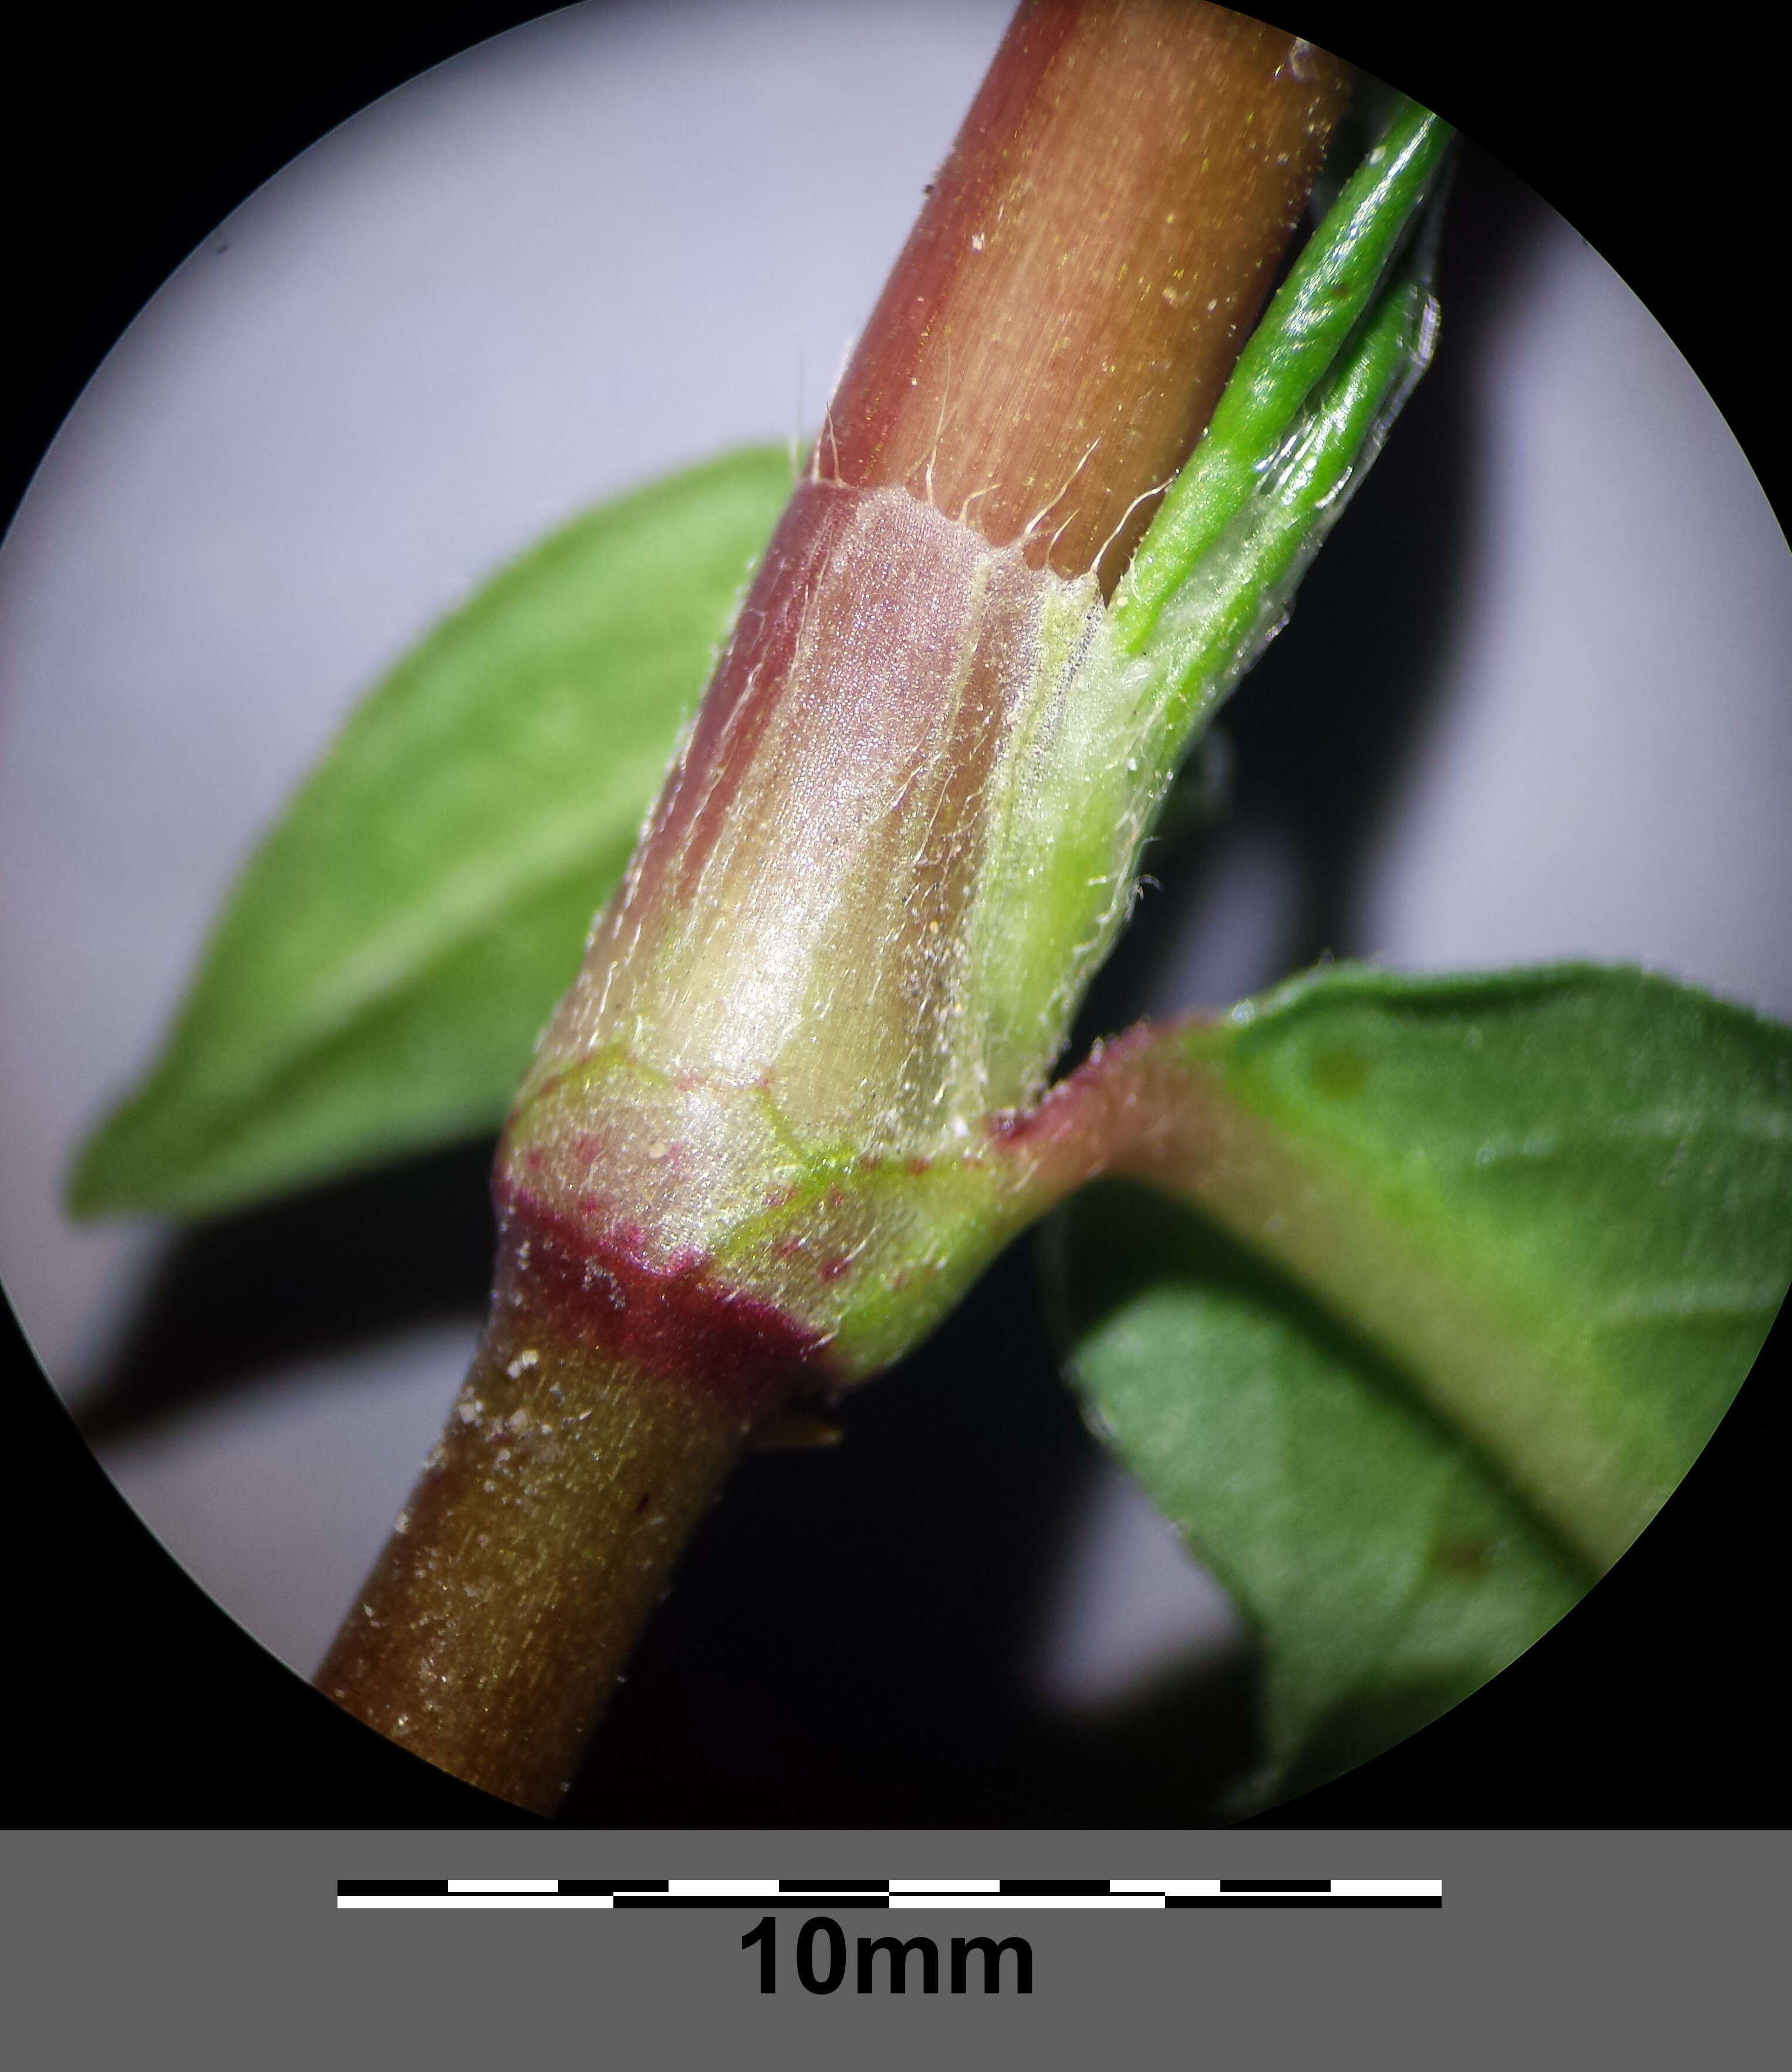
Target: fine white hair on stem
pixel 827 422
pixel 797 423
pixel 1156 489
pixel 939 426
pixel 1045 510
pixel 825 434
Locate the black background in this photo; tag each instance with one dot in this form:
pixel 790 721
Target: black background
pixel 135 1702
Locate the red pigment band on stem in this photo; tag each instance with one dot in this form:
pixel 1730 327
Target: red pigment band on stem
pixel 682 1325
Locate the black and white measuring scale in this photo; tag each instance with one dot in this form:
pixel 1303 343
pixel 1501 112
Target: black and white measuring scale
pixel 892 1894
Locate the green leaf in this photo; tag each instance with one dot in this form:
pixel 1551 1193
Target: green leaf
pixel 1465 1272
pixel 378 975
pixel 1302 346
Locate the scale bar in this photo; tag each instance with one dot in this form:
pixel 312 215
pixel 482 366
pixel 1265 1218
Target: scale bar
pixel 816 1895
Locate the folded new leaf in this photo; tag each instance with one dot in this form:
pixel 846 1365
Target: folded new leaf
pixel 381 970
pixel 1464 1273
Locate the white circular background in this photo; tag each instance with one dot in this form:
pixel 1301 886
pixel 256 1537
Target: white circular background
pixel 610 243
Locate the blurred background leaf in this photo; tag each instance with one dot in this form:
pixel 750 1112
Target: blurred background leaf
pixel 379 973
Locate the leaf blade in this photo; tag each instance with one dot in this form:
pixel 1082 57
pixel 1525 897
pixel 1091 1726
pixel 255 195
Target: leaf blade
pixel 1387 1573
pixel 1552 1148
pixel 376 979
pixel 1248 1376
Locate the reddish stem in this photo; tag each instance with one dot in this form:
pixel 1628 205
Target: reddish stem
pixel 1090 261
pixel 1050 346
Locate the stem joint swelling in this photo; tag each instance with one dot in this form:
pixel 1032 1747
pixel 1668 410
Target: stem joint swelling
pixel 770 1135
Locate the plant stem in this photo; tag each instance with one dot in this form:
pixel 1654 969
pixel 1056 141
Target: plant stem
pixel 1088 264
pixel 539 1538
pixel 1048 349
pixel 500 1616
